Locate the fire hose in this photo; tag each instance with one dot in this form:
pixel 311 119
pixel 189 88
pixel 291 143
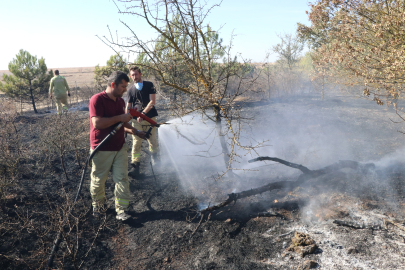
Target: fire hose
pixel 134 113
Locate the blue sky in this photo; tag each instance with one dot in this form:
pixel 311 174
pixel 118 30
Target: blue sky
pixel 64 32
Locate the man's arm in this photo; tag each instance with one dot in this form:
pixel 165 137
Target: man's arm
pixel 148 107
pixel 130 100
pixel 131 130
pixel 105 122
pixel 51 88
pixel 151 103
pixel 129 106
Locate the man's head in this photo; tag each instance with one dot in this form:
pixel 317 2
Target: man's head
pixel 118 82
pixel 56 72
pixel 136 74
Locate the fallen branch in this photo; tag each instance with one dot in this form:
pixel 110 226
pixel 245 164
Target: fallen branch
pixel 267 214
pixel 198 226
pixel 285 234
pixel 387 221
pixel 233 197
pixel 356 225
pixel 341 164
pixel 303 169
pixel 306 174
pixel 12 258
pixel 94 240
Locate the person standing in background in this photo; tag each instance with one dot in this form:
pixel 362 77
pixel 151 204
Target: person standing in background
pixel 58 88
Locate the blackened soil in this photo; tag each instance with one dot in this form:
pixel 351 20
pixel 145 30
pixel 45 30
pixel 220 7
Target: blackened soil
pixel 167 232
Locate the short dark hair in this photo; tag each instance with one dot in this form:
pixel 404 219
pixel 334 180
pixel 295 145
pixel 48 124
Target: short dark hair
pixel 117 77
pixel 135 68
pixel 56 72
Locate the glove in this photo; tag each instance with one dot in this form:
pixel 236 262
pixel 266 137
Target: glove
pixel 69 94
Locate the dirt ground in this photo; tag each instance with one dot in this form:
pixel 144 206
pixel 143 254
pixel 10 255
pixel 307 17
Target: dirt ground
pixel 166 231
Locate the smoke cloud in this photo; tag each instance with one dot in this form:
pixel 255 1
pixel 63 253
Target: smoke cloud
pixel 302 130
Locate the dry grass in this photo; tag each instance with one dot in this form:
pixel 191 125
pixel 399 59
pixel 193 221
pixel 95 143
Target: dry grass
pixel 77 76
pixel 81 77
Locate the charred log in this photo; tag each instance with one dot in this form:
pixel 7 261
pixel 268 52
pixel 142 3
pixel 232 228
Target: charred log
pixel 233 197
pixel 357 225
pixel 303 169
pixel 289 185
pixel 267 214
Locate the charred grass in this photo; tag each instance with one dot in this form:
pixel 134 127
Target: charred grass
pixel 166 231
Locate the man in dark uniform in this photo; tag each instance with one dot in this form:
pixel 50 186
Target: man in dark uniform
pixel 142 96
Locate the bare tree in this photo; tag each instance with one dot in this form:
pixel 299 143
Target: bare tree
pixel 289 50
pixel 211 78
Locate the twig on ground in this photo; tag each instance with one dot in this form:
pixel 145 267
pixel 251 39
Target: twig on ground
pixel 286 234
pixel 198 226
pixel 387 221
pixel 94 240
pixel 13 259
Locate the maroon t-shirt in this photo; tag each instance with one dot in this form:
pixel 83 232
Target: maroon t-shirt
pixel 102 105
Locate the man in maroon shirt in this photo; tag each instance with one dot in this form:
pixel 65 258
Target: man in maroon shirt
pixel 107 109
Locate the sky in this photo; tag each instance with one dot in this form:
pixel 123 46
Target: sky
pixel 65 33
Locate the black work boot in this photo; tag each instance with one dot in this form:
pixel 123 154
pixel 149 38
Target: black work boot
pixel 134 171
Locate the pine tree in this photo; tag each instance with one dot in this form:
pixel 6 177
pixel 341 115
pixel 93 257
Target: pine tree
pixel 101 74
pixel 29 79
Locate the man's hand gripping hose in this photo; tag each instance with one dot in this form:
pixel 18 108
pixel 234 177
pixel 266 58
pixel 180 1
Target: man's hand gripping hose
pixel 135 113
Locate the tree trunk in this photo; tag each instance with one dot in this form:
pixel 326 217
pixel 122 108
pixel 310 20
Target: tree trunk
pixel 218 127
pixel 32 99
pixel 323 84
pixel 268 84
pixel 77 98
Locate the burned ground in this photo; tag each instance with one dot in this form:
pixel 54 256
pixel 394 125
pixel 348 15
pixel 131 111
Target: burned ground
pixel 167 231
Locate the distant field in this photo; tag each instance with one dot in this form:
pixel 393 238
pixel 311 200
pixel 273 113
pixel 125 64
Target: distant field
pixel 78 76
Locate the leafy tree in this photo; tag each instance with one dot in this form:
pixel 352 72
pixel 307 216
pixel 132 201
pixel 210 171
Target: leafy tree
pixel 360 41
pixel 29 78
pixel 289 50
pixel 175 66
pixel 285 70
pixel 188 56
pixel 143 60
pixel 101 74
